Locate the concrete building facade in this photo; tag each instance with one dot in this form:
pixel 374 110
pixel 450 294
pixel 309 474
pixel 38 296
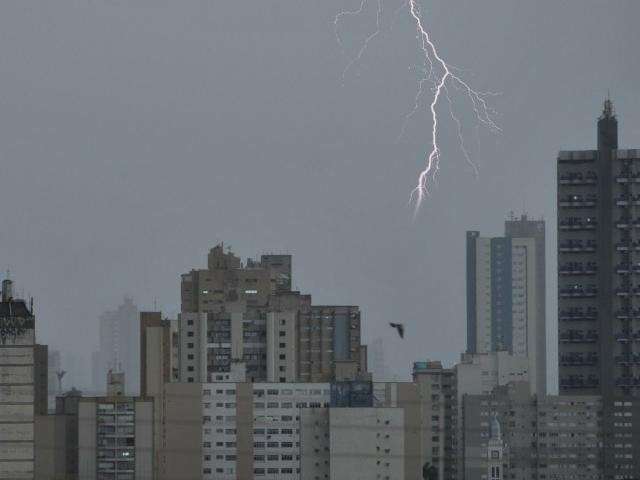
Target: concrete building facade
pixel 598 306
pixel 115 438
pixel 17 386
pixel 244 322
pixel 552 438
pixel 504 286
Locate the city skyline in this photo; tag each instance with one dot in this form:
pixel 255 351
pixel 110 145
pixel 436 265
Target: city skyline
pixel 141 159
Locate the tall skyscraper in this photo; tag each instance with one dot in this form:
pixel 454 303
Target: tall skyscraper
pixel 504 286
pixel 525 227
pixel 598 261
pixel 598 287
pixel 17 386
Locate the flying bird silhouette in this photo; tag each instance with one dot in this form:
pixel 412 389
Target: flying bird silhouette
pixel 399 327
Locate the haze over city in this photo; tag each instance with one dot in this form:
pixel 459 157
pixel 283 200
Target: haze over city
pixel 136 135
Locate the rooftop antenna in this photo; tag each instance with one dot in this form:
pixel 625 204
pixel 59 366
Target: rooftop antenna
pixel 155 304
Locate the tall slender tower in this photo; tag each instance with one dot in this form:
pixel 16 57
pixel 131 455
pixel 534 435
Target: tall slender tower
pixel 598 220
pixel 599 288
pixel 523 228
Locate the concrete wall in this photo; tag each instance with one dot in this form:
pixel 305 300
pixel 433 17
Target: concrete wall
pixel 181 453
pixel 87 439
pixel 144 440
pixel 367 443
pixel 314 444
pixel 17 412
pixel 50 447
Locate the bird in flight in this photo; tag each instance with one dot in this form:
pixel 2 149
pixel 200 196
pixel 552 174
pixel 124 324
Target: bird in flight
pixel 399 327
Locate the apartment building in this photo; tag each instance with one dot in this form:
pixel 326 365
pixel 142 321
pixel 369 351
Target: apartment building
pixel 115 438
pixel 550 438
pixel 17 389
pixel 253 430
pixel 242 321
pixel 505 295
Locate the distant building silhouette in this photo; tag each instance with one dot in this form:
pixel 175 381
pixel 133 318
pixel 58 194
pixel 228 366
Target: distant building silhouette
pixel 118 348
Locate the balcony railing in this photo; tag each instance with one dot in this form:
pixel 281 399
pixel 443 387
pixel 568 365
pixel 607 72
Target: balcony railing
pixel 577 223
pixel 578 336
pixel 578 360
pixel 577 291
pixel 633 359
pixel 578 314
pixel 578 201
pixel 578 178
pixel 577 246
pixel 628 382
pixel 578 381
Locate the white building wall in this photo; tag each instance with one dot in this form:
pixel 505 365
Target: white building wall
pixel 366 443
pixel 483 294
pixel 276 428
pixel 525 300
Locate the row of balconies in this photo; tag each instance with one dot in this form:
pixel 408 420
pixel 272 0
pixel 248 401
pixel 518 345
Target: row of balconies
pixel 578 268
pixel 627 313
pixel 578 201
pixel 627 244
pixel 579 381
pixel 578 178
pixel 574 246
pixel 627 290
pixel 632 359
pixel 625 199
pixel 626 222
pixel 576 358
pixel 625 268
pixel 628 381
pixel 627 336
pixel 578 223
pixel 578 291
pixel 579 313
pixel 579 336
pixel 626 175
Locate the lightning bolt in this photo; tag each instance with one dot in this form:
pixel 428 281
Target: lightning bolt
pixel 442 77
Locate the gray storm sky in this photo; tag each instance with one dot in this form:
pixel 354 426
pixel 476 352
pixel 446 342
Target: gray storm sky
pixel 134 134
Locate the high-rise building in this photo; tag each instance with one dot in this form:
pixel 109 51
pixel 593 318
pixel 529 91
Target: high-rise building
pixel 17 386
pixel 525 227
pixel 598 194
pixel 438 433
pixel 504 287
pixel 244 322
pixel 550 437
pixel 118 349
pixel 598 288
